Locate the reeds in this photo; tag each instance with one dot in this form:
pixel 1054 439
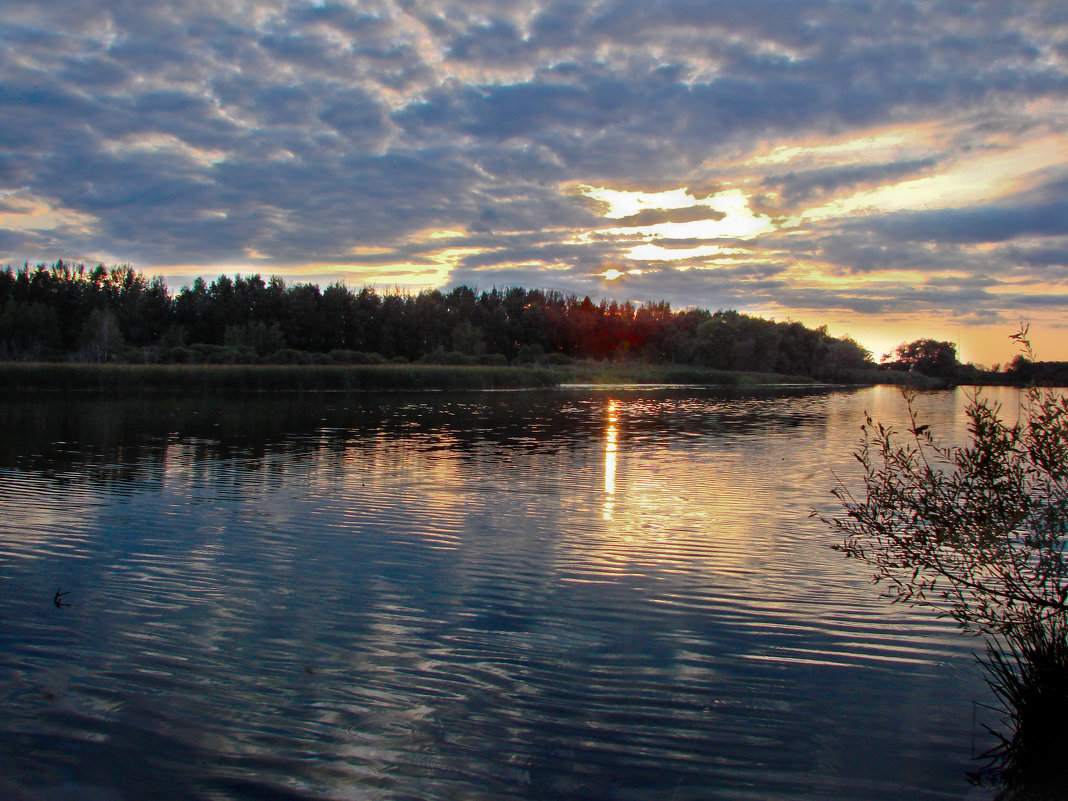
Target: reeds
pixel 1028 672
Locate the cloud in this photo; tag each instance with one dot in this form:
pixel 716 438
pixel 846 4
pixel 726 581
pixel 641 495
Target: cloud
pixel 1001 222
pixel 1052 257
pixel 797 186
pixel 658 216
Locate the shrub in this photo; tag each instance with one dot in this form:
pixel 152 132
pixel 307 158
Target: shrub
pixel 1028 673
pixel 556 359
pixel 340 356
pixel 177 355
pixel 980 533
pixel 289 356
pixel 454 357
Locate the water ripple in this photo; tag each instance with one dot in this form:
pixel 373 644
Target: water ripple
pixel 578 595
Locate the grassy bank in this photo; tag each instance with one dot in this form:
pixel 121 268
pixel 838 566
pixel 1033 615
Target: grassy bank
pixel 67 376
pixel 35 377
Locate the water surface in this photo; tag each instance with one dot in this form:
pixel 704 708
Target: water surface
pixel 584 594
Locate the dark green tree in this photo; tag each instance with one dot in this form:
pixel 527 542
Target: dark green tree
pixel 192 312
pixel 102 338
pixel 28 331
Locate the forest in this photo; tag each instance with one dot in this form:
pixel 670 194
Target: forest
pixel 67 312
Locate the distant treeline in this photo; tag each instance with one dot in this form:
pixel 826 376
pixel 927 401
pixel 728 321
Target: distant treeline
pixel 1023 371
pixel 938 360
pixel 63 312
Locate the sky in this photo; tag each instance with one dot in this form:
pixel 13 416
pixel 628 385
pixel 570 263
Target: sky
pixel 893 170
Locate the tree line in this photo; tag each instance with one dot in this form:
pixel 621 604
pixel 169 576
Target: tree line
pixel 938 359
pixel 64 311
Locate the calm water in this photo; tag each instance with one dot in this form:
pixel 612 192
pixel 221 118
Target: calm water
pixel 583 594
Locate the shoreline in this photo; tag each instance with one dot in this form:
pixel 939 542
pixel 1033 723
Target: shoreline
pixel 23 377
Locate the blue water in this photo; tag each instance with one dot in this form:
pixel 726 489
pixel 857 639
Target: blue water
pixel 577 594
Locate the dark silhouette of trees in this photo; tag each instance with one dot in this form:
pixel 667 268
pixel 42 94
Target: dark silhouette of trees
pixel 28 330
pixel 62 311
pixel 927 356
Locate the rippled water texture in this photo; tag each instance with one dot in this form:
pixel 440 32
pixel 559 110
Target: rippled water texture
pixel 583 594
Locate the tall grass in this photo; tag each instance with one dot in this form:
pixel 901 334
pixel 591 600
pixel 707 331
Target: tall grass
pixel 19 376
pixel 1028 673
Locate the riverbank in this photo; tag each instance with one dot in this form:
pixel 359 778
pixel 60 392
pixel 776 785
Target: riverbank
pixel 72 376
pixel 91 377
pixel 43 377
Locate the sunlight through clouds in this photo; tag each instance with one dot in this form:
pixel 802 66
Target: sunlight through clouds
pixel 985 177
pixel 729 217
pixel 735 221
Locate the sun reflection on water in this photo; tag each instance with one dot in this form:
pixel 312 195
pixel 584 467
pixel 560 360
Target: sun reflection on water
pixel 611 439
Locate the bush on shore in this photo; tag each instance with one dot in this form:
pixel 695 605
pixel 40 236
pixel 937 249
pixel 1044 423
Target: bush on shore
pixel 980 534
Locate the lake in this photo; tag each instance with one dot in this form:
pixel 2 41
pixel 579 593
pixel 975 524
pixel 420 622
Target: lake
pixel 587 593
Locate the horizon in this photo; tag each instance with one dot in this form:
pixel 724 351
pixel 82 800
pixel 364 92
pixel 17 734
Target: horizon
pixel 892 171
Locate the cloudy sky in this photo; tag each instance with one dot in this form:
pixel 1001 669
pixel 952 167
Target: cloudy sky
pixel 892 169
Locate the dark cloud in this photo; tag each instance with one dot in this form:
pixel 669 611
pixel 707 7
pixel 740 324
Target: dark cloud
pixel 1046 258
pixel 95 73
pixel 354 113
pixel 853 253
pixel 796 186
pixel 657 216
pixel 948 302
pixel 489 42
pixel 995 223
pixel 578 257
